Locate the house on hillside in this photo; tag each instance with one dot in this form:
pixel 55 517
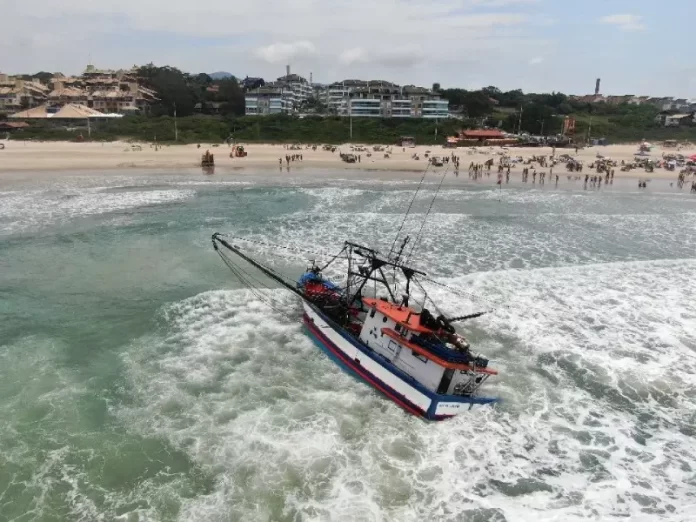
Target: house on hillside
pixel 674 119
pixel 208 107
pixel 17 94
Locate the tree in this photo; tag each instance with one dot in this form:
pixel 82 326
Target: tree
pixel 477 104
pixel 174 89
pixel 538 118
pixel 454 96
pixel 511 98
pixel 436 87
pixel 313 105
pixel 231 97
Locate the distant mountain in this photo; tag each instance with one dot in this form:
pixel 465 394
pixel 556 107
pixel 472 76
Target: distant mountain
pixel 221 75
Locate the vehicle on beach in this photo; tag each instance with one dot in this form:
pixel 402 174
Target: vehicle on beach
pixel 416 359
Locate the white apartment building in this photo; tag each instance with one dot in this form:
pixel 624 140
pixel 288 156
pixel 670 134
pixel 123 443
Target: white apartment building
pixel 401 109
pixel 268 100
pixel 284 95
pixel 356 98
pixel 370 108
pixel 435 109
pixel 348 98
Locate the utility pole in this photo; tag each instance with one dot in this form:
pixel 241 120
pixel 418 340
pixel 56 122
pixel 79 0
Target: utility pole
pixel 350 119
pixel 589 130
pixel 542 126
pixel 519 124
pixel 176 129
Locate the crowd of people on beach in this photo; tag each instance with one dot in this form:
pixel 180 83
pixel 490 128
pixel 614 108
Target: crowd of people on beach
pixel 506 166
pixel 288 159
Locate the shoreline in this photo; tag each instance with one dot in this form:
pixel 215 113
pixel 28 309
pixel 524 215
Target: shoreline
pixel 21 156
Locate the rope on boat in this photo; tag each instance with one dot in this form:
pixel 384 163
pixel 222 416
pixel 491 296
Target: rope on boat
pixel 285 247
pixel 408 210
pixel 247 279
pixel 432 202
pixel 462 293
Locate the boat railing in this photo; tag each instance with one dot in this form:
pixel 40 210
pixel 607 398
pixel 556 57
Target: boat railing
pixel 439 348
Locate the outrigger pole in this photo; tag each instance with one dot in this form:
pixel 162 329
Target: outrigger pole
pixel 466 317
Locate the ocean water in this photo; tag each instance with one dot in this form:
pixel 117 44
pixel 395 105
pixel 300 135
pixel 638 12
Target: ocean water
pixel 140 382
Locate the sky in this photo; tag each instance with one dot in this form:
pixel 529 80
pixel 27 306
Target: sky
pixel 640 47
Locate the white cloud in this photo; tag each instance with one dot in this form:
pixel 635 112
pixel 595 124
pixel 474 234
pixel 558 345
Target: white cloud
pixel 405 41
pixel 415 39
pixel 625 22
pixel 354 55
pixel 536 60
pixel 398 57
pixel 284 52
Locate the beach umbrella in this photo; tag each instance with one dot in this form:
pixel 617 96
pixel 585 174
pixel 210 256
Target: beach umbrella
pixel 693 158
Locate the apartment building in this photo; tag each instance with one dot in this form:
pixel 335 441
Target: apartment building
pixel 297 88
pixel 284 95
pixel 269 99
pixel 17 94
pixel 382 99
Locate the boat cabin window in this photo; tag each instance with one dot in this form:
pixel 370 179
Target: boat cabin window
pixel 398 328
pixel 384 319
pixel 373 312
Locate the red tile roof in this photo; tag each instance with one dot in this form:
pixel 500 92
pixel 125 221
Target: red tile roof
pixel 481 134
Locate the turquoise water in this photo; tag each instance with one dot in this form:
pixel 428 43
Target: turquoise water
pixel 139 381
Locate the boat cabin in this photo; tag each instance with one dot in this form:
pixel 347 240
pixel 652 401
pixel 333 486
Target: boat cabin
pixel 423 347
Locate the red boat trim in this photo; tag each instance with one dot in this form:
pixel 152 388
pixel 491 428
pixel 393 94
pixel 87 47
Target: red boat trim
pixel 363 373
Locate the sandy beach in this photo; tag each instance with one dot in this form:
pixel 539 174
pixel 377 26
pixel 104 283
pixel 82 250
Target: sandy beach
pixel 18 156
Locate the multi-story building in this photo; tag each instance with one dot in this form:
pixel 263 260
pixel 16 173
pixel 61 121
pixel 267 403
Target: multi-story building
pixel 357 98
pixel 106 91
pixel 400 102
pixel 268 100
pixel 17 94
pixel 365 107
pixel 284 95
pixel 435 109
pixel 297 88
pixel 401 108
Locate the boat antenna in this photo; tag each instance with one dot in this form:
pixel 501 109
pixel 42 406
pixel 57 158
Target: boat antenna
pixel 420 232
pixel 408 210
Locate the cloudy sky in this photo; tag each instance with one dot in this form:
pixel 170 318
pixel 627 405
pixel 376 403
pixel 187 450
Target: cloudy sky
pixel 635 46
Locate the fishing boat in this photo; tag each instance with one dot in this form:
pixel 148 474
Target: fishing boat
pixel 398 346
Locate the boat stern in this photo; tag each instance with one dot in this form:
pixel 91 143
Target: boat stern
pixel 450 406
